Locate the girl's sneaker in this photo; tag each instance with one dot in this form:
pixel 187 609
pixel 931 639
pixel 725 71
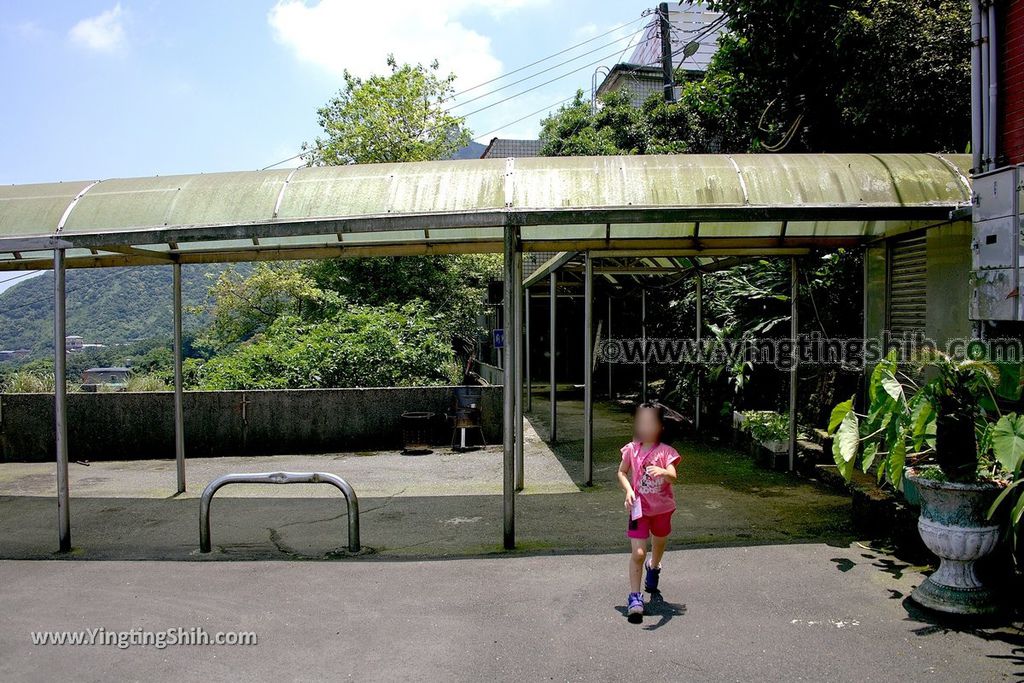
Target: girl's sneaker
pixel 652 576
pixel 635 609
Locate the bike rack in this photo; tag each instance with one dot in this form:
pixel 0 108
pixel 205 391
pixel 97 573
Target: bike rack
pixel 279 478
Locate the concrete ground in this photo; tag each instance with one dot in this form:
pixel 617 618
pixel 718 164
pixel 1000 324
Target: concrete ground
pixel 765 577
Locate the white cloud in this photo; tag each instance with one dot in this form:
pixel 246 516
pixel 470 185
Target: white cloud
pixel 102 33
pixel 340 34
pixel 585 31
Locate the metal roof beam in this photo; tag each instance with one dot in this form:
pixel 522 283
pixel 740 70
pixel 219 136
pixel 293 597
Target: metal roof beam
pixel 147 254
pixel 554 263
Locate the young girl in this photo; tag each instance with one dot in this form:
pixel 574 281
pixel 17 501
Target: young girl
pixel 647 472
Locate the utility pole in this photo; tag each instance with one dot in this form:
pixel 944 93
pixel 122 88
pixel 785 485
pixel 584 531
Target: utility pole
pixel 666 53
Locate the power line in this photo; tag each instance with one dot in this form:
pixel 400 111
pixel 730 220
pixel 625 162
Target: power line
pixel 535 87
pixel 16 277
pixel 544 71
pixel 552 56
pixel 630 43
pixel 294 156
pixel 523 118
pixel 520 69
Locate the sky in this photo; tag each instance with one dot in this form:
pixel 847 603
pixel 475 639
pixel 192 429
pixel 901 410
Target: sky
pixel 126 88
pixel 121 88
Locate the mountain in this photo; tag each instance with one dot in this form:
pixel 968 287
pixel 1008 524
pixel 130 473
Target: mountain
pixel 104 305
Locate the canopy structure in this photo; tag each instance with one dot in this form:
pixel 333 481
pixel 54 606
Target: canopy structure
pixel 675 213
pixel 616 203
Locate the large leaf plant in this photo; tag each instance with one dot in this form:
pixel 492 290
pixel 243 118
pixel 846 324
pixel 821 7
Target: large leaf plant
pixel 949 427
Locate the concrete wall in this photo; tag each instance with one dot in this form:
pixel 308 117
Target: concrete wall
pixel 129 426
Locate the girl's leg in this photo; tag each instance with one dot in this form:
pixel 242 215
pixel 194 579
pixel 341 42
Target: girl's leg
pixel 657 550
pixel 636 562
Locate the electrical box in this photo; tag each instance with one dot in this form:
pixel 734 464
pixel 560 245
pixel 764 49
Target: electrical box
pixel 495 292
pixel 997 252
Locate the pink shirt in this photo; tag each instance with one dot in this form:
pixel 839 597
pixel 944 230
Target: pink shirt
pixel 655 493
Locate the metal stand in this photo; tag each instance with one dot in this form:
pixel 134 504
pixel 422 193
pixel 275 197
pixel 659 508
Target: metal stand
pixel 279 478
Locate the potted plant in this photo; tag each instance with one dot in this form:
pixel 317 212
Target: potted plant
pixel 769 435
pixel 951 441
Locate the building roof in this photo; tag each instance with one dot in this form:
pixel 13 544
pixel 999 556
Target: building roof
pixel 684 201
pixel 691 21
pixel 112 369
pixel 500 148
pixel 641 81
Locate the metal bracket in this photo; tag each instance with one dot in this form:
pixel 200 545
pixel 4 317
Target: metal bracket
pixel 510 167
pixel 279 478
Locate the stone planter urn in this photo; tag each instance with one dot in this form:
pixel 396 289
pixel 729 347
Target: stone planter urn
pixel 953 526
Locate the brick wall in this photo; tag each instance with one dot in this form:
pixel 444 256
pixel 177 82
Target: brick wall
pixel 1012 81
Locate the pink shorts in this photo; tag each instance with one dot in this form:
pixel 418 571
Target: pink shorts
pixel 659 525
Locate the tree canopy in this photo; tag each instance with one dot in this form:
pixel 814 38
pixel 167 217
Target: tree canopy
pixel 801 76
pixel 370 321
pixel 395 117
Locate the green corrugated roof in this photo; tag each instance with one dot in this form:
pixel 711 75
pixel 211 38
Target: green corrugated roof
pixel 564 203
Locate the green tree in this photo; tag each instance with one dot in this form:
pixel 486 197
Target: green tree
pixel 242 307
pixel 843 76
pixel 397 117
pixel 355 321
pixel 359 346
pixel 453 286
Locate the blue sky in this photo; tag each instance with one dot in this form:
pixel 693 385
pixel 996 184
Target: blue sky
pixel 123 88
pixel 143 87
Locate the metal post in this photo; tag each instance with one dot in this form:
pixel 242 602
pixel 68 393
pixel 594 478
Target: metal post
pixel 588 372
pixel 700 366
pixel 643 343
pixel 668 77
pixel 993 86
pixel 793 327
pixel 508 397
pixel 611 396
pixel 977 102
pixel 517 372
pixel 179 410
pixel 551 343
pixel 60 399
pixel 986 151
pixel 526 351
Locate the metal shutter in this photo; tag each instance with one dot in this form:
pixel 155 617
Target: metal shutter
pixel 908 270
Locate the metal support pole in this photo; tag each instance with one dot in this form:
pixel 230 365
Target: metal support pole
pixel 508 397
pixel 993 86
pixel 977 101
pixel 588 372
pixel 986 150
pixel 793 328
pixel 551 343
pixel 517 373
pixel 643 344
pixel 60 399
pixel 700 366
pixel 611 395
pixel 667 72
pixel 179 410
pixel 526 351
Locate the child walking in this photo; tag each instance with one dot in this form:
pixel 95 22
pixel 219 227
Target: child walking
pixel 646 474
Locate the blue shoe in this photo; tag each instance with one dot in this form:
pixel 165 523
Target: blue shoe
pixel 651 577
pixel 635 609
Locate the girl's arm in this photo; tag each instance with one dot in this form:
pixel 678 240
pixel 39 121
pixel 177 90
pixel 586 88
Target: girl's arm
pixel 668 472
pixel 625 483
